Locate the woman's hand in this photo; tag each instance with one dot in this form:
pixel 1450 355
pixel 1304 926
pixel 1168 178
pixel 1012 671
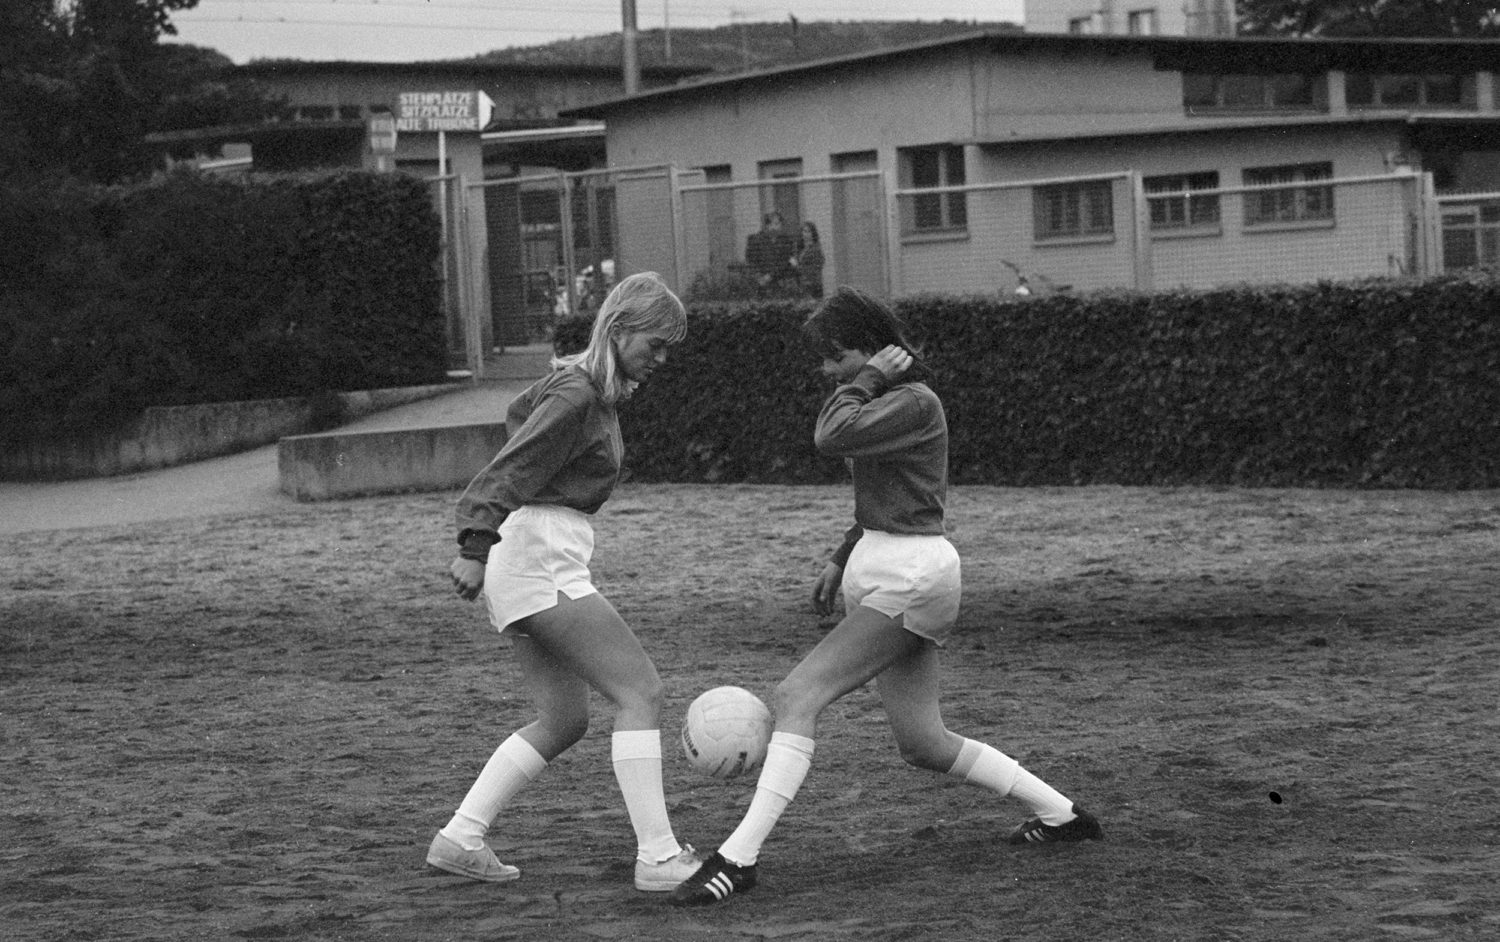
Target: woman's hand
pixel 468 577
pixel 826 589
pixel 891 362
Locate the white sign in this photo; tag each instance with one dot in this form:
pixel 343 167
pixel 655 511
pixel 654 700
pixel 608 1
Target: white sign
pixel 382 128
pixel 430 112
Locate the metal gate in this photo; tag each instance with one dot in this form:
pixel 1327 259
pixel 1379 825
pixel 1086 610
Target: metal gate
pixel 535 249
pixel 729 225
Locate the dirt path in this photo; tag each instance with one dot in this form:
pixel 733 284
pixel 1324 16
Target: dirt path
pixel 245 483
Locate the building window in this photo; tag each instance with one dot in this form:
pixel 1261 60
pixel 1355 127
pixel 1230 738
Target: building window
pixel 1141 23
pixel 1288 202
pixel 718 205
pixel 1074 210
pixel 932 167
pixel 1372 90
pixel 783 198
pixel 1173 204
pixel 1081 25
pixel 1471 236
pixel 1288 91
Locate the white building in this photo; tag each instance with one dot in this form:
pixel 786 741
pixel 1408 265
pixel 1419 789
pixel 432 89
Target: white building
pixel 1131 17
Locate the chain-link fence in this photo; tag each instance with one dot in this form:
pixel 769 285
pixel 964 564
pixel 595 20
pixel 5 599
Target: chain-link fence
pixel 1294 230
pixel 1124 231
pixel 542 247
pixel 1037 236
pixel 527 251
pixel 785 238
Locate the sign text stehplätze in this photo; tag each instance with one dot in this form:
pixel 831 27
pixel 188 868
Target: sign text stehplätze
pixel 441 111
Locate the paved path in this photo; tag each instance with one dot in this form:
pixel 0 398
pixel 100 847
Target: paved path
pixel 234 484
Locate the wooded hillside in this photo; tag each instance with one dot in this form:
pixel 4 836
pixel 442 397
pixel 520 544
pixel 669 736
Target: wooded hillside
pixel 744 45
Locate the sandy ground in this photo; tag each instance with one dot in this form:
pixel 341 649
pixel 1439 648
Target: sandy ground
pixel 1282 704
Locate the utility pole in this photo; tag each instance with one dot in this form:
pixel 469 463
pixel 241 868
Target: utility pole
pixel 666 24
pixel 735 15
pixel 630 63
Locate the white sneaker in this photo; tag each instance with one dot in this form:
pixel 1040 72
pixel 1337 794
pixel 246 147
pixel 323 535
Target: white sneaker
pixel 481 864
pixel 663 877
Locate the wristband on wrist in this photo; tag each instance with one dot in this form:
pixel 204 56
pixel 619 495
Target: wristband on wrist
pixel 841 555
pixel 475 544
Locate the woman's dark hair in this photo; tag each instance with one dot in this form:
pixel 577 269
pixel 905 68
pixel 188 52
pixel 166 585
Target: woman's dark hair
pixel 851 319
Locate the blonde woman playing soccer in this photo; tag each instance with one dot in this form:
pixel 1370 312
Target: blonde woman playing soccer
pixel 900 580
pixel 525 543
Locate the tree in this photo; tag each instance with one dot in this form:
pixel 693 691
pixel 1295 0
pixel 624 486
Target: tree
pixel 83 81
pixel 197 87
pixel 36 93
pixel 114 43
pixel 1410 18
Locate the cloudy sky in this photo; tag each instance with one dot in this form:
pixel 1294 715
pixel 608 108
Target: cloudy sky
pixel 405 30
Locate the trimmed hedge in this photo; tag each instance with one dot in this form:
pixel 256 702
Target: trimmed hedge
pixel 1370 384
pixel 192 289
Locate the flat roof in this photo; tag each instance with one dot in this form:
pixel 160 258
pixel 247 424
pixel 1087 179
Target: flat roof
pixel 1252 54
pixel 1196 126
pixel 1261 122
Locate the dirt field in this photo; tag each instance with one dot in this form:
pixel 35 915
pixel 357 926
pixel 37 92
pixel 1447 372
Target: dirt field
pixel 1284 706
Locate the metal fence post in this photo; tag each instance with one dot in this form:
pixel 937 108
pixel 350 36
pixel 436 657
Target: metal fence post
pixel 893 276
pixel 569 257
pixel 1431 218
pixel 1140 217
pixel 679 240
pixel 467 309
pixel 477 237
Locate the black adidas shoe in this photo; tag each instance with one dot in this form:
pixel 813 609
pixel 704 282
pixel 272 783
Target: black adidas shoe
pixel 713 882
pixel 1085 827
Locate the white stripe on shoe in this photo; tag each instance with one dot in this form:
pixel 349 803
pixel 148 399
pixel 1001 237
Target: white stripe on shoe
pixel 720 886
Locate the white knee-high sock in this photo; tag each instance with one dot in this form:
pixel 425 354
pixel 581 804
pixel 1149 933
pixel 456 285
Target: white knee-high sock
pixel 636 755
pixel 513 765
pixel 788 758
pixel 987 766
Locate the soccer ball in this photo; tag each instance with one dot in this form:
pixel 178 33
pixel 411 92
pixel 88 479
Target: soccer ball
pixel 726 732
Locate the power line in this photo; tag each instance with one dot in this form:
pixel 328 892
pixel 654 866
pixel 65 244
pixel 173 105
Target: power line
pixel 704 12
pixel 711 11
pixel 391 24
pixel 605 8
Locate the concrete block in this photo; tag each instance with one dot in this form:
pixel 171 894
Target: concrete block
pixel 167 436
pixel 335 465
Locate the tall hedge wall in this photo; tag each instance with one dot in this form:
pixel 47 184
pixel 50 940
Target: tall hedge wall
pixel 193 289
pixel 1379 384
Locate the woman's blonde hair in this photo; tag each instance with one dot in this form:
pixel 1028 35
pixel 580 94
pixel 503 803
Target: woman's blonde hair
pixel 637 304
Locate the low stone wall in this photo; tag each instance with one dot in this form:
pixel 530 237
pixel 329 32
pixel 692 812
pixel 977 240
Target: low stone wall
pixel 336 465
pixel 164 436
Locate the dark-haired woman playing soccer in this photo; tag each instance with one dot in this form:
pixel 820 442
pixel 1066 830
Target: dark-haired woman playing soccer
pixel 900 580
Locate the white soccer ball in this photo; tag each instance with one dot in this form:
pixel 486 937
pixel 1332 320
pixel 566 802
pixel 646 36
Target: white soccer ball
pixel 726 732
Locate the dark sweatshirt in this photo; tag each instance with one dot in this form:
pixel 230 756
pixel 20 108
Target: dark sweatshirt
pixel 563 447
pixel 895 439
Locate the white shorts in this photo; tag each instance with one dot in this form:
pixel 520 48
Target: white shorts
pixel 543 550
pixel 912 577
